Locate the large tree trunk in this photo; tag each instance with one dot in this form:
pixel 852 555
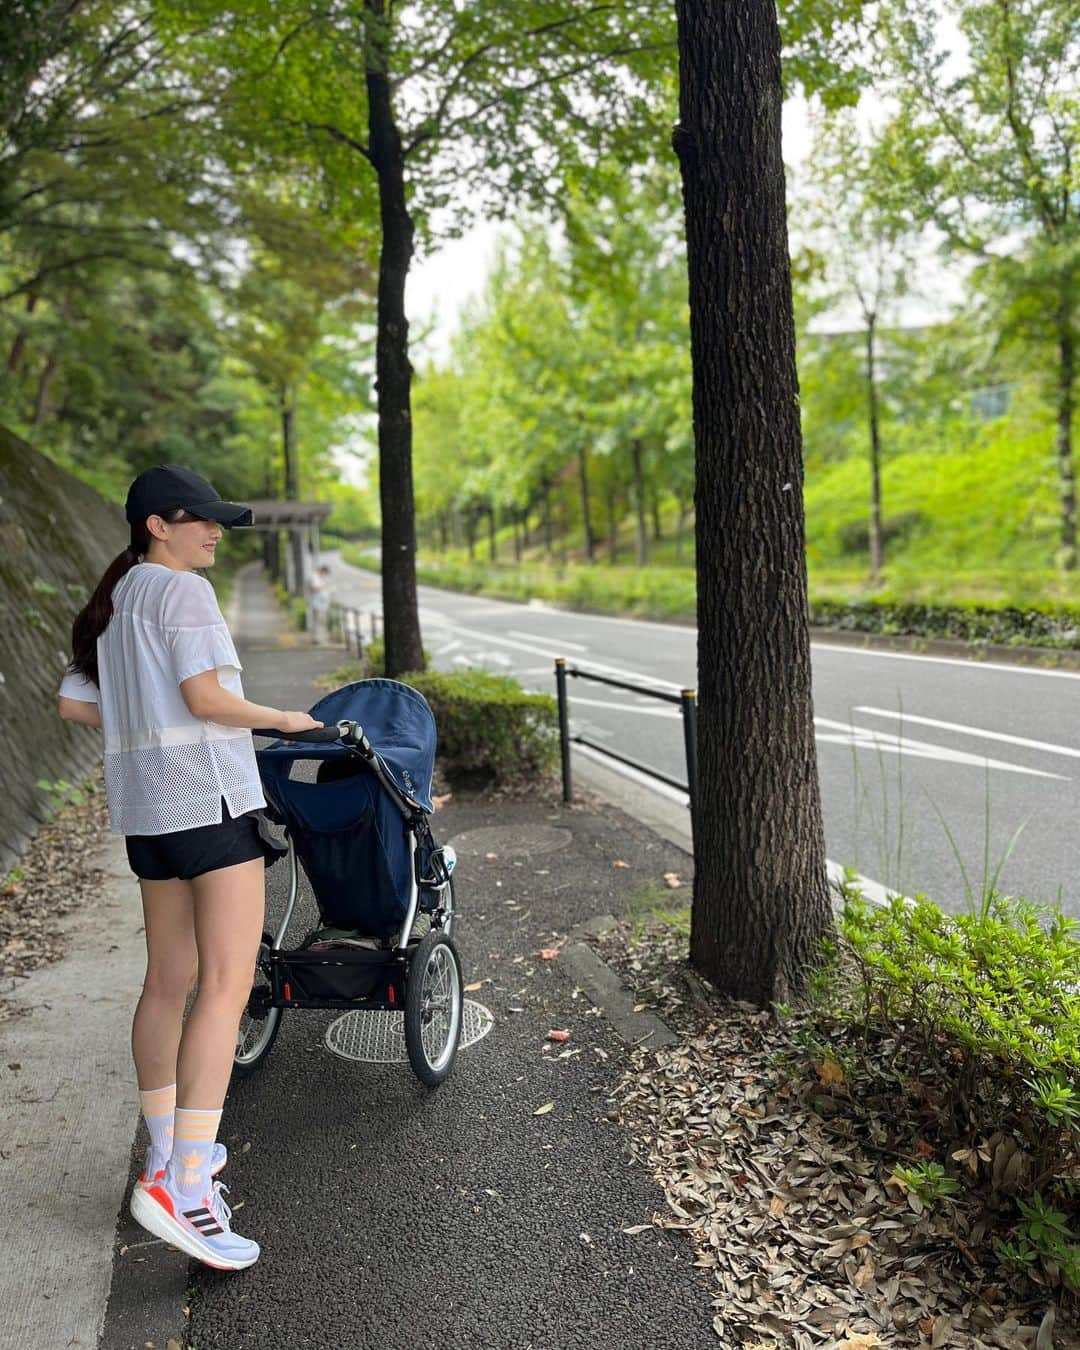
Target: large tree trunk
pixel 761 901
pixel 583 480
pixel 393 370
pixel 613 523
pixel 642 537
pixel 44 389
pixel 1065 403
pixel 877 545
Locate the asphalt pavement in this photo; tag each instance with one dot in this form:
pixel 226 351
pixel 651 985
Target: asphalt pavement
pixel 912 747
pixel 391 1215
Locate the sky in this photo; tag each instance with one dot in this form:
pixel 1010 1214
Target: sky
pixel 439 286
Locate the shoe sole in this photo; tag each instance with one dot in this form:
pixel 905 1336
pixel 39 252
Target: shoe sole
pixel 150 1215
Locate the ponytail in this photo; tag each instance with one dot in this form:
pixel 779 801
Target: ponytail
pixel 90 623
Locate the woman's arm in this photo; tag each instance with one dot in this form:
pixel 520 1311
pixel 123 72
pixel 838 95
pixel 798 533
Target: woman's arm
pixel 206 698
pixel 79 710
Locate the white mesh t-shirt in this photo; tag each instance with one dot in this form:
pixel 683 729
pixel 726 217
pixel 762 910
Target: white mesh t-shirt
pixel 166 770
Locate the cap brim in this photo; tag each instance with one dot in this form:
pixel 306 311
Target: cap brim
pixel 225 513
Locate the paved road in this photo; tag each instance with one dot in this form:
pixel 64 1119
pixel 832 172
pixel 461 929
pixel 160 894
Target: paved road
pixel 901 738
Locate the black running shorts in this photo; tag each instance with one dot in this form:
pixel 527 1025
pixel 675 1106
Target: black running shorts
pixel 189 853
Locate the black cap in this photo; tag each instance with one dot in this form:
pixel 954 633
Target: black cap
pixel 168 486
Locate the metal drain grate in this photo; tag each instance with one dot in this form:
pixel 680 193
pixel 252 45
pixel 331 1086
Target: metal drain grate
pixel 379 1037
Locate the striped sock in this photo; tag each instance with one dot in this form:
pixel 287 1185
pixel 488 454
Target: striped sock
pixel 157 1108
pixel 194 1133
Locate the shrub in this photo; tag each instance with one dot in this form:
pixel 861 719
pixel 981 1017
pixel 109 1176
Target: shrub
pixel 986 1007
pixel 489 727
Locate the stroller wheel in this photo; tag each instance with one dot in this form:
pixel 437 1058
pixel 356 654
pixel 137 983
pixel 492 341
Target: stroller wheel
pixel 433 999
pixel 258 1027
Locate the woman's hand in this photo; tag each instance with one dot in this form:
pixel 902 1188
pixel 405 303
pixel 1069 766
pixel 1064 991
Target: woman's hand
pixel 296 721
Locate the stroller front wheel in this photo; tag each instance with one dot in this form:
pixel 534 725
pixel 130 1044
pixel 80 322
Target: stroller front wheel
pixel 433 1007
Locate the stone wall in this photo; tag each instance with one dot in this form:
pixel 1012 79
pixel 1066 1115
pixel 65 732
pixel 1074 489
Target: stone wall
pixel 57 536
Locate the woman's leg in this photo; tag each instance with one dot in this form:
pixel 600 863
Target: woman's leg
pixel 171 964
pixel 229 905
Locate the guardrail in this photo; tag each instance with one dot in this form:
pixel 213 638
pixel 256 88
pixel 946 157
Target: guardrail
pixel 345 621
pixel 687 702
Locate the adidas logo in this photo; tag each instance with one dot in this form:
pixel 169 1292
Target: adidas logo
pixel 204 1221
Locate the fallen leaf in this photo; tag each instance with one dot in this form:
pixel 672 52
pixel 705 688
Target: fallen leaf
pixel 548 953
pixel 859 1240
pixel 924 1149
pixel 857 1340
pixel 637 1228
pixel 926 1326
pixel 490 857
pixel 618 862
pixel 472 988
pixel 558 1036
pixel 671 879
pixel 864 1274
pixel 543 1110
pixel 777 1205
pixel 829 1072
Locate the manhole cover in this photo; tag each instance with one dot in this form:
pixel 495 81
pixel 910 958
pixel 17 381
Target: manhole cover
pixel 379 1037
pixel 511 840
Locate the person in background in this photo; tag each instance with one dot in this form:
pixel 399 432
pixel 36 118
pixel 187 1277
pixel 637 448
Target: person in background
pixel 319 603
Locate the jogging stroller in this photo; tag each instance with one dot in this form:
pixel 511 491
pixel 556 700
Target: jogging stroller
pixel 360 831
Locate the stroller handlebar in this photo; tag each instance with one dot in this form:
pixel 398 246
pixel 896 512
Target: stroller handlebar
pixel 348 733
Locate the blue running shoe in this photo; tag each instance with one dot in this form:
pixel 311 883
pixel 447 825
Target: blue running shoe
pixel 219 1156
pixel 198 1227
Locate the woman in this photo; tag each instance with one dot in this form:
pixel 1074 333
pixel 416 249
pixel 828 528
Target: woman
pixel 155 668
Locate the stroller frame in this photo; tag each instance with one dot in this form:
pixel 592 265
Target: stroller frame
pixel 388 979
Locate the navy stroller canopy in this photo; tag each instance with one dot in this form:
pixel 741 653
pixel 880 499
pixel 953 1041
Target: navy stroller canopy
pixel 396 720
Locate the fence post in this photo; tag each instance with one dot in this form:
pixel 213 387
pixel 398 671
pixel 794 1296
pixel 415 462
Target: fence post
pixel 564 729
pixel 689 716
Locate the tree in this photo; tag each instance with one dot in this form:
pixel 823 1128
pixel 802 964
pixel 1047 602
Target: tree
pixel 444 110
pixel 988 152
pixel 761 897
pixel 864 243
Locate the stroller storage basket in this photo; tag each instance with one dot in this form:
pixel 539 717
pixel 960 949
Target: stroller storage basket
pixel 337 977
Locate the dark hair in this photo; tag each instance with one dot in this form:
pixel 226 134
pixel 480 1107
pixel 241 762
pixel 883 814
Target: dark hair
pixel 91 620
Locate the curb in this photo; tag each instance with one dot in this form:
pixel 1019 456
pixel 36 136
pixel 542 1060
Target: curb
pixel 605 989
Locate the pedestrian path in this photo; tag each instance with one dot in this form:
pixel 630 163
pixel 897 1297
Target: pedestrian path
pixel 470 1217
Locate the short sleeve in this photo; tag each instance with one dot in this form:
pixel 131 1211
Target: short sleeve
pixel 78 687
pixel 197 636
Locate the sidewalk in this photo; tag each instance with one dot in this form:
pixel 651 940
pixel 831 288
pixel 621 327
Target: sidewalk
pixel 389 1215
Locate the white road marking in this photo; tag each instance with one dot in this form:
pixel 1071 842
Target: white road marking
pixel 617 671
pixel 974 731
pixel 540 637
pixel 864 738
pixel 949 661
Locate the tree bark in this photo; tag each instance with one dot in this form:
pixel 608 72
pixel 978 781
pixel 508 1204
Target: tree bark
pixel 44 388
pixel 17 355
pixel 642 537
pixel 291 459
pixel 393 370
pixel 583 480
pixel 654 510
pixel 613 523
pixel 761 901
pixel 877 542
pixel 1065 405
pixel 545 489
pixel 493 547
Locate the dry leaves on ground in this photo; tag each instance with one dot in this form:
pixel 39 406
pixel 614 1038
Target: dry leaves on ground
pixel 51 880
pixel 779 1180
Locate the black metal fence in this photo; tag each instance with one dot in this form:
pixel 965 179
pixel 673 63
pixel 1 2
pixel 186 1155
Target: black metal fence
pixel 687 702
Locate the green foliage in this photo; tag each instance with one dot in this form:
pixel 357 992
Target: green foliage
pixel 489 728
pixel 991 998
pixel 927 1180
pixel 61 793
